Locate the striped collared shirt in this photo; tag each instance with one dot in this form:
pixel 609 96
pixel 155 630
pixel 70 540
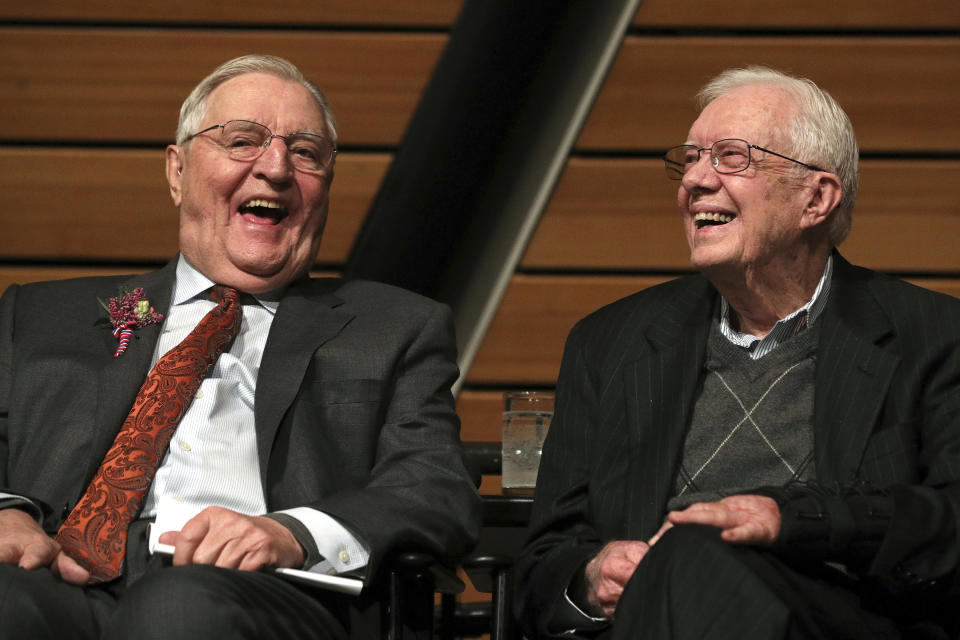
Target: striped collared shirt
pixel 785 328
pixel 212 458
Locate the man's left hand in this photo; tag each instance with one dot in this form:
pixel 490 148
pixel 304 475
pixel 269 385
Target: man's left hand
pixel 232 540
pixel 746 519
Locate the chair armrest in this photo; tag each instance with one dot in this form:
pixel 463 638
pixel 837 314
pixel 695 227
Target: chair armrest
pixel 444 578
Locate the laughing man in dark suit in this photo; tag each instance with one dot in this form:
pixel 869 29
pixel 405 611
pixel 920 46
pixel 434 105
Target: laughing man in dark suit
pixel 325 437
pixel 771 448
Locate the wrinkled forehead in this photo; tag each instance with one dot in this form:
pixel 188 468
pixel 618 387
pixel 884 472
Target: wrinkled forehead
pixel 280 103
pixel 758 114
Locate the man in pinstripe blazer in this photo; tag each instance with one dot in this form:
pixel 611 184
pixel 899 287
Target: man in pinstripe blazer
pixel 771 448
pixel 323 438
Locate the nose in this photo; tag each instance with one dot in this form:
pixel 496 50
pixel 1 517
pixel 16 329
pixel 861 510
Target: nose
pixel 274 163
pixel 701 175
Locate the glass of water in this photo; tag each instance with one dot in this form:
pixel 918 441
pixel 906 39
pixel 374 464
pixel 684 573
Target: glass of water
pixel 526 419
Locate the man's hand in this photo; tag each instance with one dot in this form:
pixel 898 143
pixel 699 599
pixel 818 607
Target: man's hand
pixel 232 540
pixel 745 519
pixel 609 572
pixel 24 544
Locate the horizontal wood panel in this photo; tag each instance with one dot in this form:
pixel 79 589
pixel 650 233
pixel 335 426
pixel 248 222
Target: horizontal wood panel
pixel 848 14
pixel 621 214
pixel 24 274
pixel 252 12
pixel 901 100
pixel 105 204
pixel 480 415
pixel 525 342
pixel 128 84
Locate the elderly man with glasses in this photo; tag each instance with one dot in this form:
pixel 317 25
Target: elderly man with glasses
pixel 257 418
pixel 769 448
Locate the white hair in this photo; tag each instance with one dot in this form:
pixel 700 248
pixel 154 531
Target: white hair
pixel 194 107
pixel 820 134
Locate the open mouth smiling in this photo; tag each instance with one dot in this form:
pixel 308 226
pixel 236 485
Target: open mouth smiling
pixel 711 219
pixel 264 209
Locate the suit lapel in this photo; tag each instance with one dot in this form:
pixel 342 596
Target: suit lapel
pixel 306 318
pixel 853 374
pixel 660 389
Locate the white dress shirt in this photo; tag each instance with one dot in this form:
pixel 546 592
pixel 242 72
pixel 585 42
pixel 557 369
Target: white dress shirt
pixel 212 458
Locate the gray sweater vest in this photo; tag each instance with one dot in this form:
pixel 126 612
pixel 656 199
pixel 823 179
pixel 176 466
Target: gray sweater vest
pixel 752 423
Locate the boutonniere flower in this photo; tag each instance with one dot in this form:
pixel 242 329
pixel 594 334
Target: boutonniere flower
pixel 129 311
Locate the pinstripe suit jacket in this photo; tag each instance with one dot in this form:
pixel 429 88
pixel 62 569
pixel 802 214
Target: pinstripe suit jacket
pixel 887 413
pixel 353 410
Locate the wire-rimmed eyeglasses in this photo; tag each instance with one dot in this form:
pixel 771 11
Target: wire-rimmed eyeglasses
pixel 730 155
pixel 246 141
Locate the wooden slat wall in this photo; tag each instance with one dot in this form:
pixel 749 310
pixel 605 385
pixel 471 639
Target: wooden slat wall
pixel 91 92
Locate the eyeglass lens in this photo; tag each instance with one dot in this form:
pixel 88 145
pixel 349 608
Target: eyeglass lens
pixel 727 156
pixel 245 140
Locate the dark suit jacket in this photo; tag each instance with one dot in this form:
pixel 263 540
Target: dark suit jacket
pixel 354 415
pixel 886 435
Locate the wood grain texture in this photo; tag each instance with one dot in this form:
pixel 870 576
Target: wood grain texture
pixel 848 14
pixel 110 204
pixel 20 274
pixel 436 13
pixel 901 100
pixel 620 214
pixel 127 84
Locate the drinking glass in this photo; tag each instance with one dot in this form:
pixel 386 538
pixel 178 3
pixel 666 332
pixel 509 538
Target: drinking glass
pixel 526 419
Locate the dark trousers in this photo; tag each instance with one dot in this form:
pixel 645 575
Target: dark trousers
pixel 154 600
pixel 692 585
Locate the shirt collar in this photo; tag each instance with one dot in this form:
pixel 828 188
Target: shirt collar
pixel 191 283
pixel 786 326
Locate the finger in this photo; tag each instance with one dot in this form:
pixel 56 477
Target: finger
pixel 189 539
pixel 619 569
pixel 236 553
pixel 39 554
pixel 256 559
pixel 747 533
pixel 10 553
pixel 609 596
pixel 69 570
pixel 636 552
pixel 169 537
pixel 666 526
pixel 712 514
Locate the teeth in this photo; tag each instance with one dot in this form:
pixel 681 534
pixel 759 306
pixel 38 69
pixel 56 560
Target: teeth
pixel 265 204
pixel 722 218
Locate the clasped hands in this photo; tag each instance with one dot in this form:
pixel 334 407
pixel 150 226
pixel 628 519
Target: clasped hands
pixel 215 536
pixel 742 519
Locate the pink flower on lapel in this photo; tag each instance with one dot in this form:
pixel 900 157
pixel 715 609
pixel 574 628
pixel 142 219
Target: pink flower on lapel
pixel 129 311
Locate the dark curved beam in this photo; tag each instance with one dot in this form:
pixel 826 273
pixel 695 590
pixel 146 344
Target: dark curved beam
pixel 484 150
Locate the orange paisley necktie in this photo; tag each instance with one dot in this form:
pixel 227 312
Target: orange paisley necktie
pixel 95 532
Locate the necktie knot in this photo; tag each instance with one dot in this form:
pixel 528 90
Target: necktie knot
pixel 223 294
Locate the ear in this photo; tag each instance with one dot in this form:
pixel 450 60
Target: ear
pixel 825 194
pixel 174 168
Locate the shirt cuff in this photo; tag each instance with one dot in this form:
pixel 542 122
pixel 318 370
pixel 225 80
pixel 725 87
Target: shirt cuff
pixel 11 501
pixel 342 552
pixel 569 617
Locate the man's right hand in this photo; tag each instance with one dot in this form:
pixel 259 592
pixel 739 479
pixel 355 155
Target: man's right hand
pixel 25 544
pixel 609 572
